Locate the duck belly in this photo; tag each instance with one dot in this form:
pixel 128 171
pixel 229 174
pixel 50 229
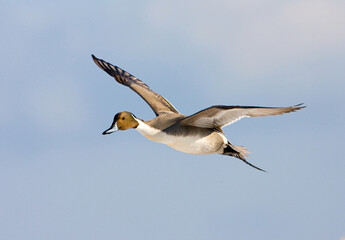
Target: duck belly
pixel 186 139
pixel 212 143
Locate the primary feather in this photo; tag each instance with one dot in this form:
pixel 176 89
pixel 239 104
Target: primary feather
pixel 220 116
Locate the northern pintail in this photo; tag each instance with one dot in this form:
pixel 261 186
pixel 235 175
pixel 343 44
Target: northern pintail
pixel 200 133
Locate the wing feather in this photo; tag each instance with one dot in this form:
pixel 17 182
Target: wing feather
pixel 158 103
pixel 220 116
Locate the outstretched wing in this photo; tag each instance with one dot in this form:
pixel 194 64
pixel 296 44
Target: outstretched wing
pixel 220 116
pixel 158 103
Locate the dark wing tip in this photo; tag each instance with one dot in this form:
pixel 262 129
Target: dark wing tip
pixel 300 105
pixel 105 66
pixel 297 107
pixel 95 59
pixel 120 75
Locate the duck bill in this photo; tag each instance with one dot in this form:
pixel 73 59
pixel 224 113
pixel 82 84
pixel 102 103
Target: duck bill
pixel 111 129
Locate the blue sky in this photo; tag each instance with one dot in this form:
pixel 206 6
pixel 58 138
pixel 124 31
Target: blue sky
pixel 61 179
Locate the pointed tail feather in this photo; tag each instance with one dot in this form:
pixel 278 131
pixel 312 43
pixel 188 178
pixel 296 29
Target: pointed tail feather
pixel 240 153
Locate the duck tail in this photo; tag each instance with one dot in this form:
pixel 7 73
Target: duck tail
pixel 240 153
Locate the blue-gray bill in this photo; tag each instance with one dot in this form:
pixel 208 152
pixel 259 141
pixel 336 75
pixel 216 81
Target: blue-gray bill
pixel 112 129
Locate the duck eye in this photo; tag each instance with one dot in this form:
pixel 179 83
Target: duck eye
pixel 123 118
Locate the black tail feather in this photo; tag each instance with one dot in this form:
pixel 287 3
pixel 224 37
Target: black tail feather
pixel 240 153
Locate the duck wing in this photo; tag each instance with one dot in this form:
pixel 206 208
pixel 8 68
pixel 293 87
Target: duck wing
pixel 158 103
pixel 220 116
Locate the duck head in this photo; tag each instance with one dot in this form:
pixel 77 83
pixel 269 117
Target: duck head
pixel 122 121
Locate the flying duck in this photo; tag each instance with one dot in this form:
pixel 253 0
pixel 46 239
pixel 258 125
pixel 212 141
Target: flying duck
pixel 199 133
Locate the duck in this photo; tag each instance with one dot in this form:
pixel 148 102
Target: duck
pixel 200 133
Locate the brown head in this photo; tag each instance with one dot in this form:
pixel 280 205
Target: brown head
pixel 122 121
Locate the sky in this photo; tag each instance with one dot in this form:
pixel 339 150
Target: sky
pixel 61 179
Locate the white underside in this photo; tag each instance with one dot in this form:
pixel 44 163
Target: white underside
pixel 187 144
